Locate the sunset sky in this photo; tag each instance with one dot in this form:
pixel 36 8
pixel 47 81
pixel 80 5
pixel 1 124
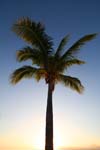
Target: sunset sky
pixel 23 107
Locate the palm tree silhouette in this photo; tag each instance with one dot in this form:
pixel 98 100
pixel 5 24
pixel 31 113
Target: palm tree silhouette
pixel 47 64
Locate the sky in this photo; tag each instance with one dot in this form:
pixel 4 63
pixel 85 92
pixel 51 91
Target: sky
pixel 23 107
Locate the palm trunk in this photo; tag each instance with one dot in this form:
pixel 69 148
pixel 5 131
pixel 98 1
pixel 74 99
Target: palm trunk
pixel 49 121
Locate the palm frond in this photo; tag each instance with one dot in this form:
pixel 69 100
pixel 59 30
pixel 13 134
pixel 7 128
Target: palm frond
pixel 33 33
pixel 40 74
pixel 77 45
pixel 25 54
pixel 74 61
pixel 23 72
pixel 62 45
pixel 29 53
pixel 72 82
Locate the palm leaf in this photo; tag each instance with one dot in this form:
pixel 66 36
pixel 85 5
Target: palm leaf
pixel 33 33
pixel 40 74
pixel 29 53
pixel 25 54
pixel 77 45
pixel 23 72
pixel 62 45
pixel 73 83
pixel 74 61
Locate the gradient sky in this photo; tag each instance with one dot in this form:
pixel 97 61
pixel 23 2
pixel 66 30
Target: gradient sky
pixel 22 107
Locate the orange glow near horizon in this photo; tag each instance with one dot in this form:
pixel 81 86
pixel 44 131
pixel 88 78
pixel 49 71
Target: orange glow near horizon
pixel 40 142
pixel 27 137
pixel 59 140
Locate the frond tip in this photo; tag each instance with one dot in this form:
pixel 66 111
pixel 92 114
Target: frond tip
pixel 25 54
pixel 71 62
pixel 33 54
pixel 62 45
pixel 23 72
pixel 33 33
pixel 74 49
pixel 73 83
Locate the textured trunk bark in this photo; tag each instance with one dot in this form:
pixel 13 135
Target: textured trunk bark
pixel 49 121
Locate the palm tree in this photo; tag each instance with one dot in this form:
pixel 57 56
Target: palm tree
pixel 47 64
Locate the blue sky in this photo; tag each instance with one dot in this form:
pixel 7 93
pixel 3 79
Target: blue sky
pixel 25 103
